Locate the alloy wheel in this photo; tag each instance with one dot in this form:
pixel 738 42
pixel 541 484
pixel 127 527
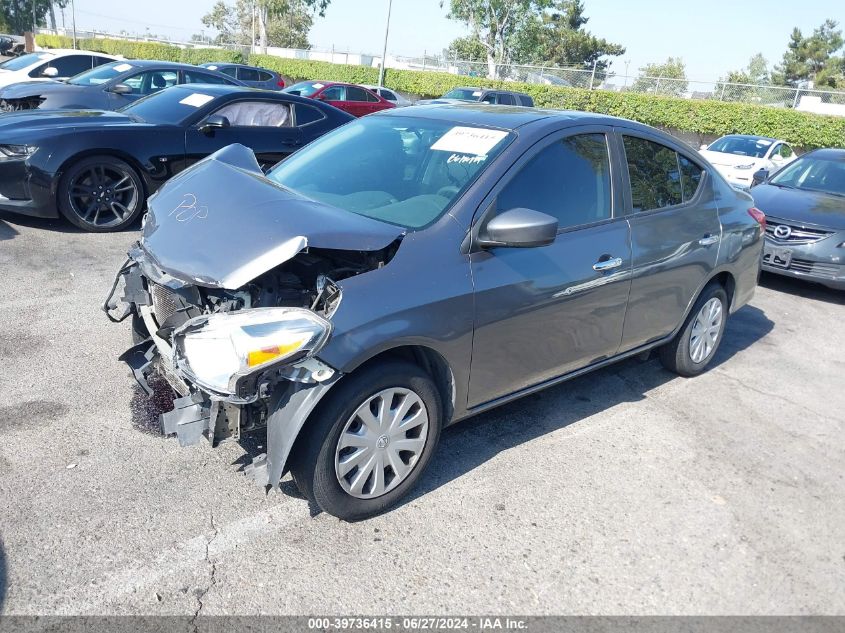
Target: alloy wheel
pixel 706 330
pixel 381 443
pixel 103 195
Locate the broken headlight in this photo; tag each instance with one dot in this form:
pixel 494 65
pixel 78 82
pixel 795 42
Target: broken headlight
pixel 217 351
pixel 17 151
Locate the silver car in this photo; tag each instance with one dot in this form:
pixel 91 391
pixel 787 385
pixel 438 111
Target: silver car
pixel 804 205
pixel 465 257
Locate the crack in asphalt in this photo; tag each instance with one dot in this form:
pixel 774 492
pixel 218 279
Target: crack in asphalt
pixel 212 578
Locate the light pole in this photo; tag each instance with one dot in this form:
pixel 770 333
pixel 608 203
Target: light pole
pixel 384 50
pixel 73 21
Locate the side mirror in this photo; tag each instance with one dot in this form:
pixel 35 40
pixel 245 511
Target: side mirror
pixel 759 177
pixel 213 122
pixel 703 146
pixel 519 228
pixel 121 89
pixel 50 71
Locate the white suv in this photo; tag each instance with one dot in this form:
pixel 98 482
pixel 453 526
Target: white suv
pixel 52 64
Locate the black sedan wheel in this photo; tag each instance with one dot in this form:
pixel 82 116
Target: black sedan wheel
pixel 101 194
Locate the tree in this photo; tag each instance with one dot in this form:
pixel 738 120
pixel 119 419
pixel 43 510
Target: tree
pixel 668 78
pixel 287 26
pixel 547 32
pixel 467 49
pixel 559 38
pixel 496 25
pixel 18 14
pixel 748 78
pixel 813 58
pixel 267 10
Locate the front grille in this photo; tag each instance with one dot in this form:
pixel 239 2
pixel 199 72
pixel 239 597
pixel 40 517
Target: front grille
pixel 16 105
pixel 816 269
pixel 795 234
pixel 165 302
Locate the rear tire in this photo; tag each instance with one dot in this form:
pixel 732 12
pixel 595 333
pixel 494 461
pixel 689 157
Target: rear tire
pixel 339 435
pixel 695 345
pixel 101 194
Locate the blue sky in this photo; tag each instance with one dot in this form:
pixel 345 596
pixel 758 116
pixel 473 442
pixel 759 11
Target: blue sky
pixel 712 37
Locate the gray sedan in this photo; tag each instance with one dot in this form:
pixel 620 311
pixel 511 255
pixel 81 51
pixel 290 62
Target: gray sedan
pixel 805 227
pixel 466 257
pixel 107 87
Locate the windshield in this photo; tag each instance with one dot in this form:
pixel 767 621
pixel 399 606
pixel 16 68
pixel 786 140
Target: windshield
pixel 100 74
pixel 813 174
pixel 741 146
pixel 171 106
pixel 25 61
pixel 468 94
pixel 402 170
pixel 304 88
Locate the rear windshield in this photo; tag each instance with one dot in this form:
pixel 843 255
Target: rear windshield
pixel 304 88
pixel 468 94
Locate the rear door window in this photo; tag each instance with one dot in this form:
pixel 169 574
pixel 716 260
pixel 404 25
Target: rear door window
pixel 506 99
pixel 249 74
pixel 334 93
pixel 358 94
pixel 568 180
pixel 654 174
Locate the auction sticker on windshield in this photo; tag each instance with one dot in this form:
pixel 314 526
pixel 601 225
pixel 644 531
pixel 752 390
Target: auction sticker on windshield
pixel 122 68
pixel 196 99
pixel 469 140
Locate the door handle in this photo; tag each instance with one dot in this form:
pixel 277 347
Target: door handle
pixel 607 264
pixel 708 239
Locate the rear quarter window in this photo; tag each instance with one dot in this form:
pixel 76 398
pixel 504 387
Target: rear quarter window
pixel 306 114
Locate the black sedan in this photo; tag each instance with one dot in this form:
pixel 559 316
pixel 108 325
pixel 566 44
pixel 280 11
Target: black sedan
pixel 804 205
pixel 97 168
pixel 107 87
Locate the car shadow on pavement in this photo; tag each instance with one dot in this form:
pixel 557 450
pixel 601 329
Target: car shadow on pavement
pixel 7 232
pixel 469 444
pixel 801 288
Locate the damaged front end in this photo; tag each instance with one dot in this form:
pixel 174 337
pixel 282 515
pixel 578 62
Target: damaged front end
pixel 238 339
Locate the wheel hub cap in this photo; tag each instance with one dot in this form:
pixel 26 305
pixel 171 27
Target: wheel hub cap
pixel 381 443
pixel 706 330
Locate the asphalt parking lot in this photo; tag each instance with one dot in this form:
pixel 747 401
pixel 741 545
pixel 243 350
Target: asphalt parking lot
pixel 628 491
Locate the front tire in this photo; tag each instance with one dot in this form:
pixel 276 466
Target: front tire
pixel 370 441
pixel 101 194
pixel 691 351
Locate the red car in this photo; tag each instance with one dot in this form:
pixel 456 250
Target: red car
pixel 350 98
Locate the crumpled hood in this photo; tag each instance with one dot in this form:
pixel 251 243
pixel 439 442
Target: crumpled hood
pixel 796 205
pixel 729 160
pixel 221 223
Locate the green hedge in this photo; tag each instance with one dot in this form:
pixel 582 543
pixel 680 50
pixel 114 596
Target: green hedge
pixel 802 129
pixel 143 50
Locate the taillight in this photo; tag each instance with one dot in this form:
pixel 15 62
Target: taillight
pixel 758 215
pixel 281 83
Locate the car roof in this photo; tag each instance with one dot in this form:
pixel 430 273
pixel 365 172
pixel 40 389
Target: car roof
pixel 222 90
pixel 147 63
pixel 505 117
pixel 835 153
pixel 235 65
pixel 71 51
